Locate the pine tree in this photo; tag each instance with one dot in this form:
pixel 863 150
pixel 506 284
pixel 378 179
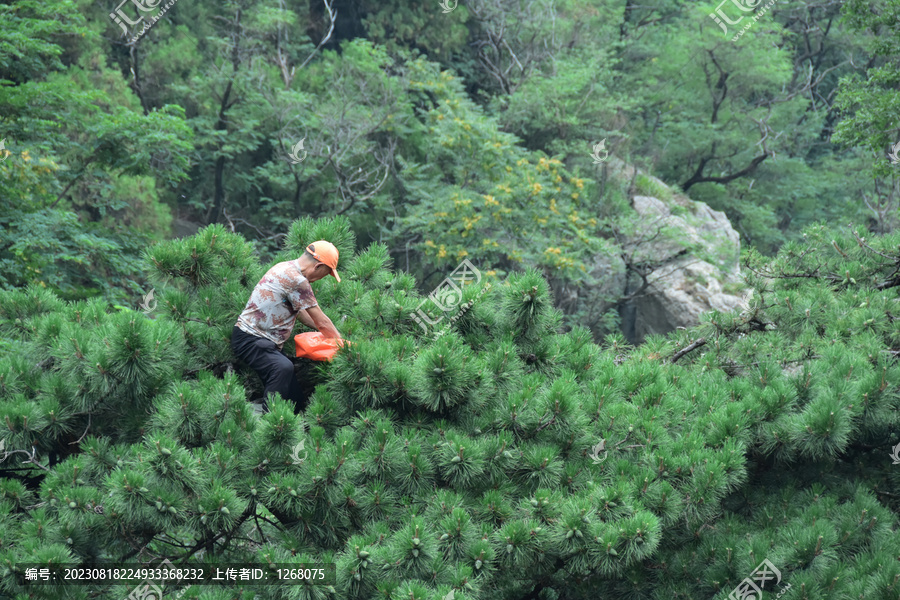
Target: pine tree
pixel 502 459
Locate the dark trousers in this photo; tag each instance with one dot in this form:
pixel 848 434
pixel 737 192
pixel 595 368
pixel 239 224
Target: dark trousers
pixel 274 368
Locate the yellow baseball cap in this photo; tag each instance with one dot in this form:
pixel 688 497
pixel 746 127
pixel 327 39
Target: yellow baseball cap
pixel 325 253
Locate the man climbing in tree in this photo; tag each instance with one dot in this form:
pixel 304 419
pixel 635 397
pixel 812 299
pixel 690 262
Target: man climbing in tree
pixel 283 294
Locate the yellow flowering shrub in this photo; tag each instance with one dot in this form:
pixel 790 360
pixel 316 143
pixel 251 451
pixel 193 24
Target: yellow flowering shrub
pixel 515 218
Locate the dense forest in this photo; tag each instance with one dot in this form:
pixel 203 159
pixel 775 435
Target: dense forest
pixel 574 431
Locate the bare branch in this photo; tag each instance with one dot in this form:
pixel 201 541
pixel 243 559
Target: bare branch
pixel 689 348
pixel 332 15
pixel 86 429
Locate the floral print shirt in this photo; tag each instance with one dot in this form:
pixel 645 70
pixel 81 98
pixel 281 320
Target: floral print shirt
pixel 277 298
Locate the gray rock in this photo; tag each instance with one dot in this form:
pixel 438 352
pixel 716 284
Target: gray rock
pixel 697 252
pixel 679 295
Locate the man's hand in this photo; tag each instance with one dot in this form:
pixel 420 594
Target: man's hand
pixel 321 322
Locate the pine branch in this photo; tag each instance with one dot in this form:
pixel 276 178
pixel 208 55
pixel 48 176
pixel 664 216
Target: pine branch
pixel 862 446
pixel 545 425
pixel 690 347
pixel 541 584
pixel 31 457
pixel 237 526
pixel 208 542
pixel 262 536
pixel 885 285
pixel 274 524
pixel 171 543
pixel 862 244
pixel 78 441
pixel 888 494
pixel 813 275
pixel 136 549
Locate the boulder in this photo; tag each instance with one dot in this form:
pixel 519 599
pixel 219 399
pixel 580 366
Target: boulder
pixel 696 255
pixel 688 289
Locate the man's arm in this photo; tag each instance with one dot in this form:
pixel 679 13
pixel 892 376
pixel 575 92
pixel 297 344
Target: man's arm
pixel 321 322
pixel 306 319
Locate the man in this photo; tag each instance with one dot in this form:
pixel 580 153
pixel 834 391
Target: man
pixel 280 297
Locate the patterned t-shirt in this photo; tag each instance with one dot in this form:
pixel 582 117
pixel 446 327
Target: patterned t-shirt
pixel 277 298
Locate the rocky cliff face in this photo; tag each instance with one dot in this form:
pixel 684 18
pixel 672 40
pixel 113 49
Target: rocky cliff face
pixel 695 253
pixel 698 252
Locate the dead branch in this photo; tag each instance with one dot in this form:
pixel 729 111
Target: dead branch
pixel 689 348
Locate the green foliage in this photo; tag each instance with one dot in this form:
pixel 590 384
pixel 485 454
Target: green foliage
pixel 200 116
pixel 870 99
pixel 72 160
pixel 526 459
pixel 568 107
pixel 650 187
pixel 399 25
pixel 477 450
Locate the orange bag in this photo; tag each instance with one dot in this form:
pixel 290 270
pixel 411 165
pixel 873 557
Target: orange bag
pixel 316 346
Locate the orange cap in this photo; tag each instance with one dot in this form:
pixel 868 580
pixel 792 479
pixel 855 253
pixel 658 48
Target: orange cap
pixel 325 253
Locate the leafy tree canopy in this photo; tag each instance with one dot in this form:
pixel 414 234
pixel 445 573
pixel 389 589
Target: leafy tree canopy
pixel 500 458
